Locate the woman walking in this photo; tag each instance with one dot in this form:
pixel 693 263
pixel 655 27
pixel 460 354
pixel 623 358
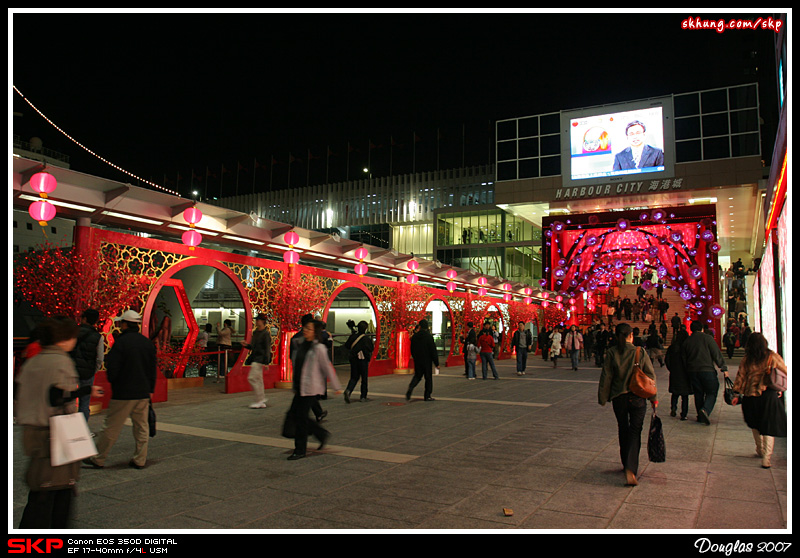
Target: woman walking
pixel 680 385
pixel 764 409
pixel 48 386
pixel 555 345
pixel 311 367
pixel 629 408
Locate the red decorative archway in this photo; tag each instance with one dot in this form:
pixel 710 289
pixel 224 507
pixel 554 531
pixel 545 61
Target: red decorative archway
pixel 587 253
pixel 373 304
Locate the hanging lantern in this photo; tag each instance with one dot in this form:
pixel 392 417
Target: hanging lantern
pixel 413 265
pixel 361 269
pixel 413 279
pixel 360 253
pixel 481 292
pixel 482 281
pixel 291 238
pixel 43 183
pixel 42 211
pixel 506 286
pixel 451 274
pixel 291 257
pixel 527 300
pixel 451 286
pixel 191 238
pixel 192 215
pixel 507 297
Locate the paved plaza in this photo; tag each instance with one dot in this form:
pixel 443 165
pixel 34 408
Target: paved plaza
pixel 520 453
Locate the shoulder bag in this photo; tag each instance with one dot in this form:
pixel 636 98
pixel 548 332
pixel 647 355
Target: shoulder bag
pixel 775 378
pixel 70 439
pixel 641 384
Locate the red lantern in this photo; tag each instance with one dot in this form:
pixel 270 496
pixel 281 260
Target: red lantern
pixel 451 286
pixel 291 238
pixel 43 183
pixel 42 211
pixel 481 292
pixel 361 253
pixel 527 300
pixel 192 238
pixel 413 279
pixel 291 257
pixel 451 274
pixel 361 269
pixel 507 297
pixel 482 281
pixel 192 215
pixel 413 265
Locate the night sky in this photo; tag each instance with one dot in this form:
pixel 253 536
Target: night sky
pixel 169 95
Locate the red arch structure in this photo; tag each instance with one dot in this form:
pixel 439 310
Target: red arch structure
pixel 592 252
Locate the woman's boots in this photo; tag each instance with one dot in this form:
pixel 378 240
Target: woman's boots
pixel 764 445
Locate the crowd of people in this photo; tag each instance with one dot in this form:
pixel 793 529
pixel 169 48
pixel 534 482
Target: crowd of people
pixel 63 367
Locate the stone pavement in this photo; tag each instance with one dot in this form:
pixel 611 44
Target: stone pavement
pixel 538 445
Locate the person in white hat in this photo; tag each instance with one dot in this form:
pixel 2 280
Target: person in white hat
pixel 131 371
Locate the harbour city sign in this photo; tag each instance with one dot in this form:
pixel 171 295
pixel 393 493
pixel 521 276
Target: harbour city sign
pixel 620 188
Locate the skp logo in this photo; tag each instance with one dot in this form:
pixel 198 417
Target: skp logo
pixel 30 546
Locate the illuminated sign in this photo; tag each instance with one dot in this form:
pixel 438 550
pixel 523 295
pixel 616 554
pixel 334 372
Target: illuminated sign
pixel 630 142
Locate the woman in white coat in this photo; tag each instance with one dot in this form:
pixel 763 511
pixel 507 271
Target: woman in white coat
pixel 555 345
pixel 312 369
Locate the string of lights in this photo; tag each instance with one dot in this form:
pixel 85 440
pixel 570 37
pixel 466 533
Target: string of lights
pixel 79 144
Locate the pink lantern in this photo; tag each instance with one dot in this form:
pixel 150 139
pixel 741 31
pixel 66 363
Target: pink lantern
pixel 361 269
pixel 192 215
pixel 451 274
pixel 451 286
pixel 291 238
pixel 528 300
pixel 507 297
pixel 482 281
pixel 481 292
pixel 506 286
pixel 191 238
pixel 413 265
pixel 527 291
pixel 413 279
pixel 361 253
pixel 42 211
pixel 291 257
pixel 43 183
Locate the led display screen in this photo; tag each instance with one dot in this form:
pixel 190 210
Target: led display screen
pixel 632 141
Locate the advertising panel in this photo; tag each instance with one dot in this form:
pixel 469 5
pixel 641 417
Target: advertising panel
pixel 614 143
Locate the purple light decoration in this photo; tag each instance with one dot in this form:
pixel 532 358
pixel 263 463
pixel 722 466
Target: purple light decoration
pixel 717 311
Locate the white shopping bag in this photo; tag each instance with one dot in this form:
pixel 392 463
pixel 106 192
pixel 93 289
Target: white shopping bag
pixel 70 439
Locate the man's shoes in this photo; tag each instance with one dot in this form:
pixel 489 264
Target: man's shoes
pixel 261 405
pixel 322 415
pixel 703 417
pixel 324 441
pixel 132 464
pixel 672 413
pixel 408 395
pixel 630 478
pixel 92 463
pixel 296 456
pixel 365 399
pixel 346 396
pixel 429 399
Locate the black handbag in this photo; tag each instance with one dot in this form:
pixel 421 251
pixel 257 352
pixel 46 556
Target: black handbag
pixel 656 448
pixel 151 419
pixel 731 397
pixel 289 427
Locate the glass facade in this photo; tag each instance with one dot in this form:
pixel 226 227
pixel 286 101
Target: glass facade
pixel 491 242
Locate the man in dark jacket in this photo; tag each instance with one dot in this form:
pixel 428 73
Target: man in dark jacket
pixel 360 346
pixel 131 371
pixel 700 353
pixel 88 355
pixel 426 356
pixel 521 343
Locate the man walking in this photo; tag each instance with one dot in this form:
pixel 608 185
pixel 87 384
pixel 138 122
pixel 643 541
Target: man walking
pixel 573 342
pixel 131 371
pixel 260 356
pixel 700 353
pixel 522 342
pixel 360 346
pixel 88 355
pixel 426 356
